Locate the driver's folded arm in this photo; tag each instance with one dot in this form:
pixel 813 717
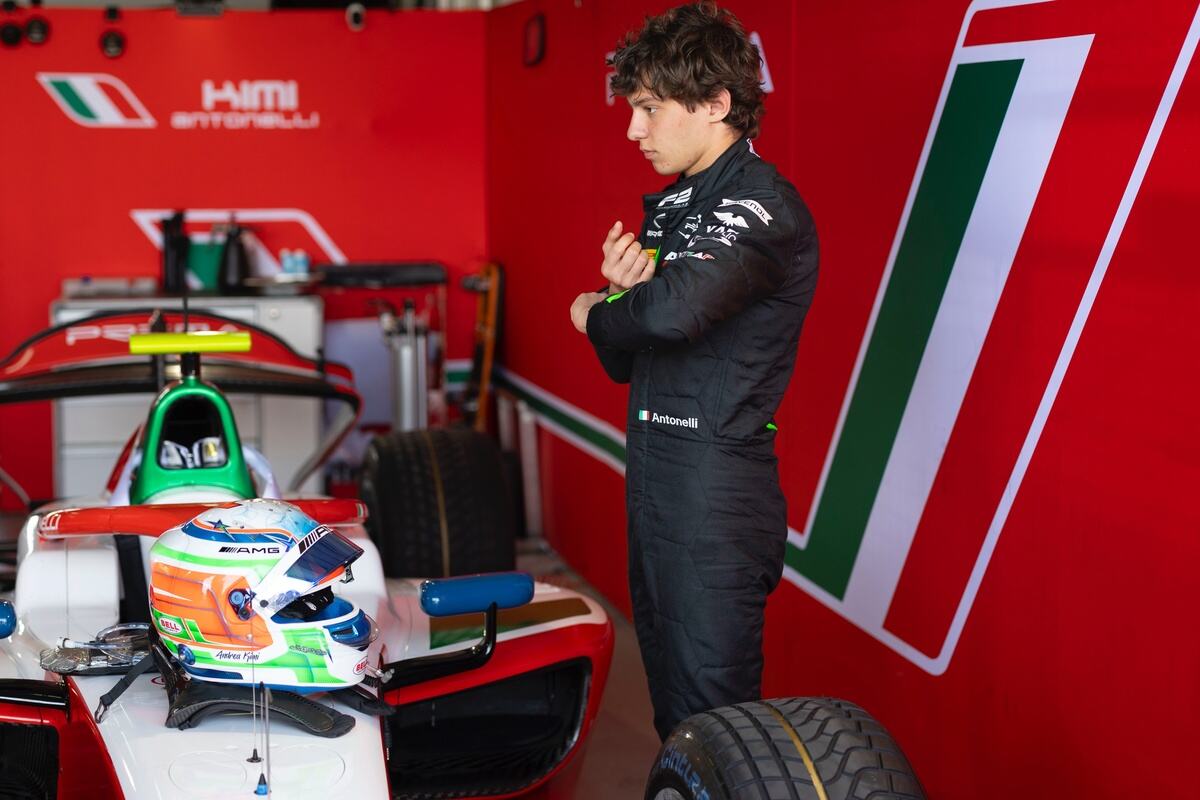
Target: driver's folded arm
pixel 708 281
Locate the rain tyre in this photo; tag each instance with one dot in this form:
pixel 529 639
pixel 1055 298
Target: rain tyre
pixel 798 748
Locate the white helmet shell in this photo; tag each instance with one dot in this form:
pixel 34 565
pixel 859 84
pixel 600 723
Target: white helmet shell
pixel 242 593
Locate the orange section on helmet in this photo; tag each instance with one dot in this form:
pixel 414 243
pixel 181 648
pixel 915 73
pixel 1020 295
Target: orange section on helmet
pixel 204 599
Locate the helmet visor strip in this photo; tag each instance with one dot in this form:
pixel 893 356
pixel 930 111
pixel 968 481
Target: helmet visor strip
pixel 326 556
pixel 319 562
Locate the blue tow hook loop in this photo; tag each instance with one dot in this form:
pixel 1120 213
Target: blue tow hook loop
pixel 472 594
pixel 8 619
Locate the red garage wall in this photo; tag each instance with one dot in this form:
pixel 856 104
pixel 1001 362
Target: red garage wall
pixel 1029 567
pixel 385 155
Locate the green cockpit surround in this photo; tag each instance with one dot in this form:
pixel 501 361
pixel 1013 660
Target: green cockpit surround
pixel 191 417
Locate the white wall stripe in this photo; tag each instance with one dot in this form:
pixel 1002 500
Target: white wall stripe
pixel 147 220
pixel 801 540
pixel 567 436
pixel 1182 62
pixel 570 410
pixel 1010 186
pixel 95 98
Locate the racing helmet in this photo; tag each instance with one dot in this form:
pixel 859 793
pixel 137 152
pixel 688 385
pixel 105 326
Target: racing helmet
pixel 242 593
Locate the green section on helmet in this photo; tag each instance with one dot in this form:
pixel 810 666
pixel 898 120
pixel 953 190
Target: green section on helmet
pixel 261 566
pixel 305 657
pixel 194 630
pixel 153 478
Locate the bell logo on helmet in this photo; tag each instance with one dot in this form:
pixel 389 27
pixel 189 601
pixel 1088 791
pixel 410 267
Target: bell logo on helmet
pixel 168 625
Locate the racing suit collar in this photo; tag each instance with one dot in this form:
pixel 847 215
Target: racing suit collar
pixel 677 193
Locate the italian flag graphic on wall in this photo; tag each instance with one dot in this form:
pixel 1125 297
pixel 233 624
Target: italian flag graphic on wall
pixel 998 119
pixel 96 100
pixel 895 542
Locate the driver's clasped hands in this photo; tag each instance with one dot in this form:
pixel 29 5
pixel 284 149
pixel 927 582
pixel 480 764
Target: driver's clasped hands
pixel 625 264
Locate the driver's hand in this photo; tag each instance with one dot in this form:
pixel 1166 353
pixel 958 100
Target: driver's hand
pixel 580 308
pixel 625 262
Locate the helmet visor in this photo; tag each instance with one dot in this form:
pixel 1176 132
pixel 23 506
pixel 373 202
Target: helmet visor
pixel 324 557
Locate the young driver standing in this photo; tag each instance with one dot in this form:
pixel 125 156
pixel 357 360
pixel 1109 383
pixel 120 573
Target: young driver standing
pixel 702 317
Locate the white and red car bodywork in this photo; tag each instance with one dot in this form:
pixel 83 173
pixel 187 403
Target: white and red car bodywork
pixel 69 584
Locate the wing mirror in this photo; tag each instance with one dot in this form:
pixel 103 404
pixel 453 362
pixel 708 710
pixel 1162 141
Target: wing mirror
pixel 474 594
pixel 8 619
pixel 471 594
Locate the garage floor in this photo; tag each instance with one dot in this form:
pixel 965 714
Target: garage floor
pixel 622 744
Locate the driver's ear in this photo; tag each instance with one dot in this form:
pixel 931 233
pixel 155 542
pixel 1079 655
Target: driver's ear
pixel 719 105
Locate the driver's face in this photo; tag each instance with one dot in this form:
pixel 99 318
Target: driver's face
pixel 672 138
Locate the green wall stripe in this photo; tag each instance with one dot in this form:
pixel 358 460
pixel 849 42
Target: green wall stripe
pixel 966 135
pixel 575 426
pixel 67 92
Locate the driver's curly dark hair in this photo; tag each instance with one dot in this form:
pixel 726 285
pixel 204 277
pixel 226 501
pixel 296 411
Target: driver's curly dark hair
pixel 689 54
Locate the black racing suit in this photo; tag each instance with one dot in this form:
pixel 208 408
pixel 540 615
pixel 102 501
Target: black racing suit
pixel 708 346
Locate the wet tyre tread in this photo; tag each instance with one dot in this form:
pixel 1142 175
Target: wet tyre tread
pixel 853 755
pixel 754 779
pixel 784 765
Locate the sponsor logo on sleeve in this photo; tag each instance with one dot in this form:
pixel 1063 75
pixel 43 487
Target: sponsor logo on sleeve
pixel 726 238
pixel 754 208
pixel 732 220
